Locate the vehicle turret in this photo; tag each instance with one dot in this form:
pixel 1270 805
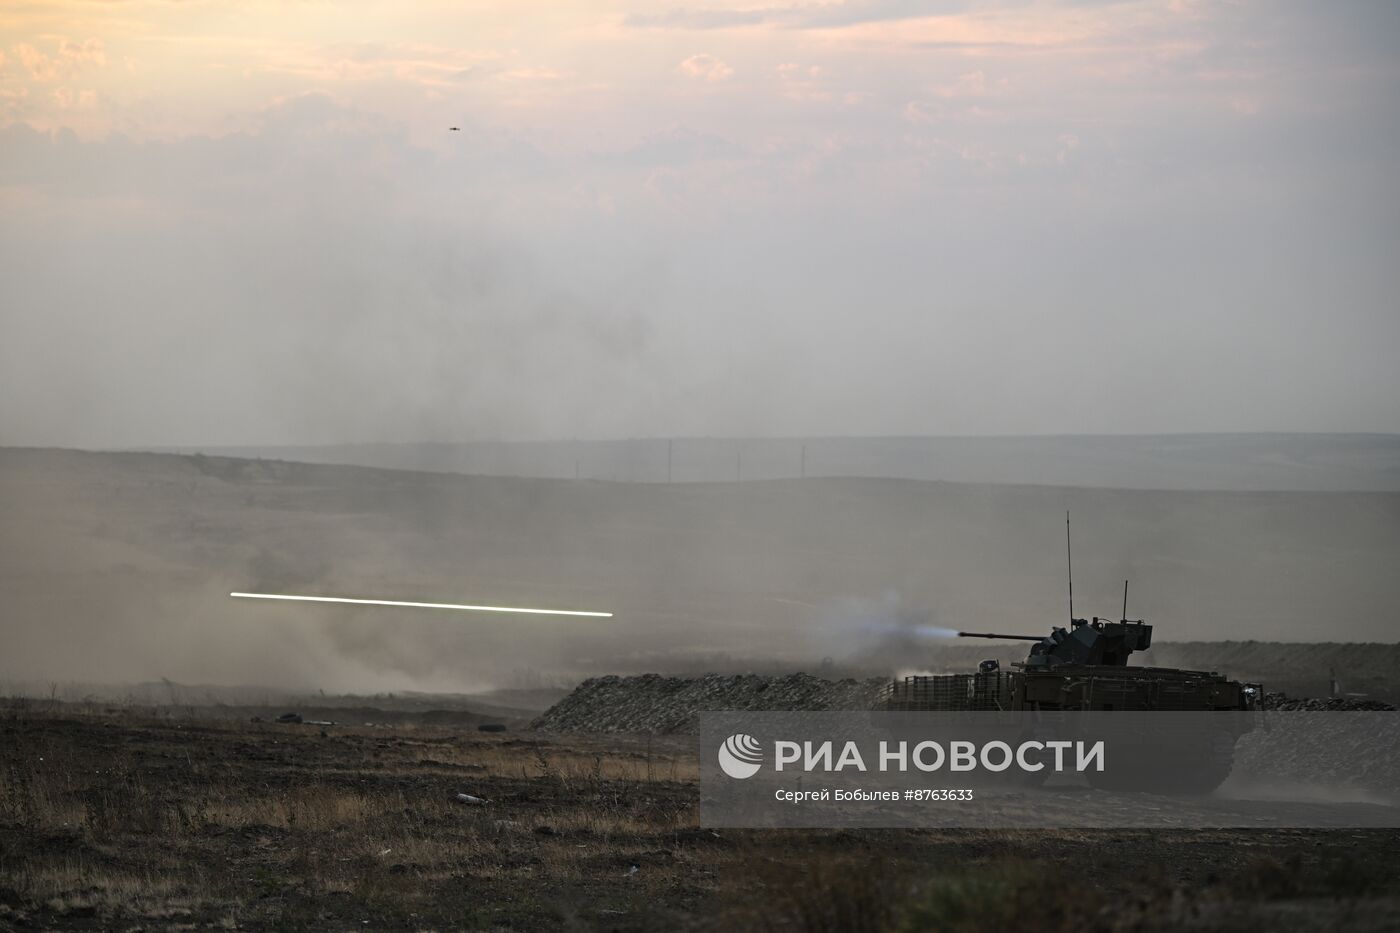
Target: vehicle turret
pixel 1100 642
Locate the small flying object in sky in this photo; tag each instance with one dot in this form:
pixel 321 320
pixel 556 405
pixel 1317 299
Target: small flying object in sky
pixel 454 129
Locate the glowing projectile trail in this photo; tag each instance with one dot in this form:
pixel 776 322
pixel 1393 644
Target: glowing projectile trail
pixel 394 602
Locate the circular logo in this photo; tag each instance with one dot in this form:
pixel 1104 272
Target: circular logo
pixel 740 756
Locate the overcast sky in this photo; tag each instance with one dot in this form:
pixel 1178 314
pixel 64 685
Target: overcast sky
pixel 248 222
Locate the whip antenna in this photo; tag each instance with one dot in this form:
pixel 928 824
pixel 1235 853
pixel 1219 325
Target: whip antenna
pixel 1069 566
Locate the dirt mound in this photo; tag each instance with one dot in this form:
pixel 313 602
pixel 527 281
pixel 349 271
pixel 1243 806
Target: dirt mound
pixel 1329 751
pixel 1332 756
pixel 1286 703
pixel 651 703
pixel 1300 669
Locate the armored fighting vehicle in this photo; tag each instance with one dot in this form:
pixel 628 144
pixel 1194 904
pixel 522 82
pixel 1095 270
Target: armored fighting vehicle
pixel 1085 668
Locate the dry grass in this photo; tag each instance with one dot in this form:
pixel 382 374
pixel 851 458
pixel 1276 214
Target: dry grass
pixel 120 820
pixel 366 820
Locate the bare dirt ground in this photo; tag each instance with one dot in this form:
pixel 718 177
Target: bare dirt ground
pixel 115 818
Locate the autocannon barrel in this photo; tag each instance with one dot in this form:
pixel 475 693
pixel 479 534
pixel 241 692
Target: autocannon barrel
pixel 995 635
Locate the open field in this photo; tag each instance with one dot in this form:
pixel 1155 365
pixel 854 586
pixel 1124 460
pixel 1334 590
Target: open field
pixel 118 819
pixel 116 568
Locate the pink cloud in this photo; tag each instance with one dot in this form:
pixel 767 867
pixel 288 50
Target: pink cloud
pixel 705 67
pixel 70 57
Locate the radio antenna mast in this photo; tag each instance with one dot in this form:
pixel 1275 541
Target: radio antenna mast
pixel 1069 566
